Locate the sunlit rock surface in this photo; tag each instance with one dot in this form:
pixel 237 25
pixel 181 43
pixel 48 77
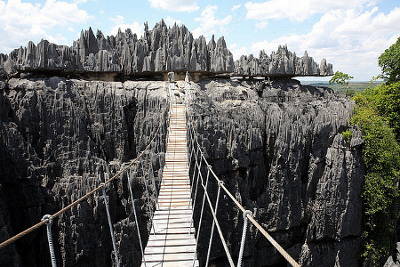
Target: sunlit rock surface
pixel 160 49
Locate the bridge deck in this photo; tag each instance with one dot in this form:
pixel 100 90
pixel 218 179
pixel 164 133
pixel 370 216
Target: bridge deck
pixel 173 243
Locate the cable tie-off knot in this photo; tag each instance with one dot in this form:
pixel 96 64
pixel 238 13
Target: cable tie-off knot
pixel 102 185
pixel 247 212
pixel 47 218
pixel 221 183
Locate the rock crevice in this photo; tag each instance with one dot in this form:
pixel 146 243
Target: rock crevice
pixel 280 152
pixel 59 140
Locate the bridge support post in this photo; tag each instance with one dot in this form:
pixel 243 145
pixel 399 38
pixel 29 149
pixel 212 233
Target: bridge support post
pixel 110 224
pixel 154 181
pixel 202 205
pixel 158 151
pixel 213 226
pixel 241 251
pixel 194 174
pixel 197 179
pixel 49 222
pixel 202 208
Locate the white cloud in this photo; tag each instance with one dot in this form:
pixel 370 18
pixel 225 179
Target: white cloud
pixel 171 21
pixel 176 5
pixel 209 24
pixel 296 10
pixel 236 7
pixel 238 51
pixel 262 25
pixel 136 27
pixel 118 19
pixel 22 22
pixel 102 12
pixel 350 39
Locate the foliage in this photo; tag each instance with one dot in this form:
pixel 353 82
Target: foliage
pixel 347 135
pixel 381 155
pixel 357 87
pixel 341 78
pixel 389 61
pixel 387 101
pixel 378 116
pixel 350 92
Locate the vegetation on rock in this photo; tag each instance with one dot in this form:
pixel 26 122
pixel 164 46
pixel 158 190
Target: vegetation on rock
pixel 381 155
pixel 378 116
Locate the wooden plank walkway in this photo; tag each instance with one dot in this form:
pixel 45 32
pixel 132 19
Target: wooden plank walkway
pixel 173 243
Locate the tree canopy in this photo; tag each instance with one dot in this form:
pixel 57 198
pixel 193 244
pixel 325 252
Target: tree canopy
pixel 378 116
pixel 389 61
pixel 381 156
pixel 341 78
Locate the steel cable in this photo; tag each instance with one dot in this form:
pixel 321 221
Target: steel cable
pixel 243 210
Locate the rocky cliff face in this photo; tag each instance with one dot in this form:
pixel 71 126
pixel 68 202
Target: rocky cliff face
pixel 61 138
pixel 161 49
pixel 278 148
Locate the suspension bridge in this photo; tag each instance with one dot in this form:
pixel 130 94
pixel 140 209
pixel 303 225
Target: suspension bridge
pixel 173 237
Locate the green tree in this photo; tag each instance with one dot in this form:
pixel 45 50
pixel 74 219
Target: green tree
pixel 343 79
pixel 378 115
pixel 389 61
pixel 386 99
pixel 381 156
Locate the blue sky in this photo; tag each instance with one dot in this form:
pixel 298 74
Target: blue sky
pixel 349 34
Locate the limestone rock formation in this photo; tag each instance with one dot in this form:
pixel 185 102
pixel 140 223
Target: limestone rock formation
pixel 394 260
pixel 161 49
pixel 61 138
pixel 282 62
pixel 278 148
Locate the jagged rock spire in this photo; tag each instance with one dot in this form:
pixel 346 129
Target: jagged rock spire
pixel 160 49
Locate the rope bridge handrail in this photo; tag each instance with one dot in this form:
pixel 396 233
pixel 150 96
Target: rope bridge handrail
pixel 246 213
pixel 47 219
pixel 195 148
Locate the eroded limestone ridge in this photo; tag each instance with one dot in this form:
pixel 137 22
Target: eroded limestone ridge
pixel 282 62
pixel 159 50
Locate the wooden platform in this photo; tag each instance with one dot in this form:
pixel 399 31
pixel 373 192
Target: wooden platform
pixel 173 242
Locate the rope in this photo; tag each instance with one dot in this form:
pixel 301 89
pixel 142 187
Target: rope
pixel 241 251
pixel 249 216
pixel 21 234
pixel 49 222
pixel 110 224
pixel 274 243
pixel 58 213
pixel 221 236
pixel 136 219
